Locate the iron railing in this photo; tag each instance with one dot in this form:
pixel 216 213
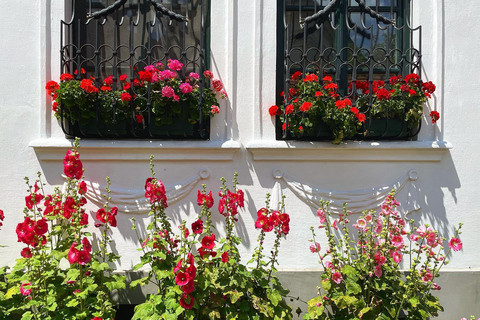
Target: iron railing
pixel 103 38
pixel 351 41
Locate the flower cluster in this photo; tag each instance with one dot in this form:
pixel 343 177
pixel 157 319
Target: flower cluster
pixel 312 102
pixel 169 93
pixel 155 191
pixel 362 274
pixel 199 272
pixel 268 220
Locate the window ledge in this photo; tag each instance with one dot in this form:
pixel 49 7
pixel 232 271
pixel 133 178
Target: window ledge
pixel 53 149
pixel 264 150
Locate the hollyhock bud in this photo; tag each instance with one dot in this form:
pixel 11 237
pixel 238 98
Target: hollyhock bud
pixel 25 288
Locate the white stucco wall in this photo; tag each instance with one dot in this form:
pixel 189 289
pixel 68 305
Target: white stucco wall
pixel 243 56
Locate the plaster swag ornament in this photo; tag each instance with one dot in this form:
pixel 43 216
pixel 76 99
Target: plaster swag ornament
pixel 134 201
pixel 358 200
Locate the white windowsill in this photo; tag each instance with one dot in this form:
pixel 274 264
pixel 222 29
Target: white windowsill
pixel 53 149
pixel 265 150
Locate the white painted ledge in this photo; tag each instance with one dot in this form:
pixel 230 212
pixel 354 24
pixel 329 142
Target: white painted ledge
pixel 401 151
pixel 53 149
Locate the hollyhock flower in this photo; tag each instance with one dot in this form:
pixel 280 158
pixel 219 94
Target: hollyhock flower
pixel 261 222
pixel 185 88
pixel 186 301
pixel 397 241
pixel 182 278
pixel 337 277
pixel 84 220
pixel 204 199
pixel 41 227
pixel 208 242
pixel 197 227
pixel 225 257
pixel 361 224
pixel 189 287
pixel 455 244
pixel 178 266
pixel 194 75
pixel 83 257
pixel 217 85
pixel 397 256
pixel 379 258
pixel 435 116
pixel 26 253
pixel 329 265
pixel 72 166
pixel 155 191
pixel 191 270
pixel 102 215
pixel 174 64
pixel 315 247
pixel 73 254
pixel 436 286
pixel 25 288
pixel 32 200
pixel 427 275
pixel 86 244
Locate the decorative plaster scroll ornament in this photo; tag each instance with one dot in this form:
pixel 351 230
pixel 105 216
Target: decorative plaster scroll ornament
pixel 133 201
pixel 358 200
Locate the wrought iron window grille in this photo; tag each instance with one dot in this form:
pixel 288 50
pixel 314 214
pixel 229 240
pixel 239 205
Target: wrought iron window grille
pixel 354 42
pixel 105 38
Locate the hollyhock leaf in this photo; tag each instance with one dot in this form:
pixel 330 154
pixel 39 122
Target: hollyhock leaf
pixel 326 285
pixel 353 286
pixel 274 297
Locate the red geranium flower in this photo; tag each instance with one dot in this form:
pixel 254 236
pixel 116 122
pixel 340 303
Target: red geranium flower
pixel 305 106
pixel 435 116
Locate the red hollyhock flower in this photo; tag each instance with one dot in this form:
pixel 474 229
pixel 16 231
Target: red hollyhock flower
pixel 178 267
pixel 208 242
pixel 83 257
pixel 26 253
pixel 189 287
pixel 182 278
pixel 41 227
pixel 2 215
pixel 204 199
pixel 197 226
pixel 225 257
pixel 72 166
pixel 102 215
pixel 186 301
pixel 84 220
pixel 73 254
pixel 86 244
pixel 191 270
pixel 82 187
pixel 435 116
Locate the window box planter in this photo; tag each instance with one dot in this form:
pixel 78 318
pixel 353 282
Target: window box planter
pixel 390 129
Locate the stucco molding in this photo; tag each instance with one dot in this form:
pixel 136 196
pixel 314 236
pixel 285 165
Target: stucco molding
pixel 53 149
pixel 398 151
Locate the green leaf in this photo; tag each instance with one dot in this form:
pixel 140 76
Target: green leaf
pixel 274 296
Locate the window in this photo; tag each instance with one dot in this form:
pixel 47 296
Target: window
pixel 112 43
pixel 360 45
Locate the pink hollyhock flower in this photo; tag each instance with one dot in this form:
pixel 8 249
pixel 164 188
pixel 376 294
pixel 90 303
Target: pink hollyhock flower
pixel 361 224
pixel 197 227
pixel 427 275
pixel 337 277
pixel 225 257
pixel 214 109
pixel 368 218
pixel 334 225
pixel 413 237
pixel 175 64
pixel 186 88
pixel 182 278
pixel 329 265
pixel 208 242
pixel 455 244
pixel 379 259
pixel 25 288
pixel 397 241
pixel 378 271
pixel 436 286
pixel 397 256
pixel 423 230
pixel 315 247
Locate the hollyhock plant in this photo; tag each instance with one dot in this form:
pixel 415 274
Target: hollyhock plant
pixel 199 274
pixel 363 278
pixel 53 230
